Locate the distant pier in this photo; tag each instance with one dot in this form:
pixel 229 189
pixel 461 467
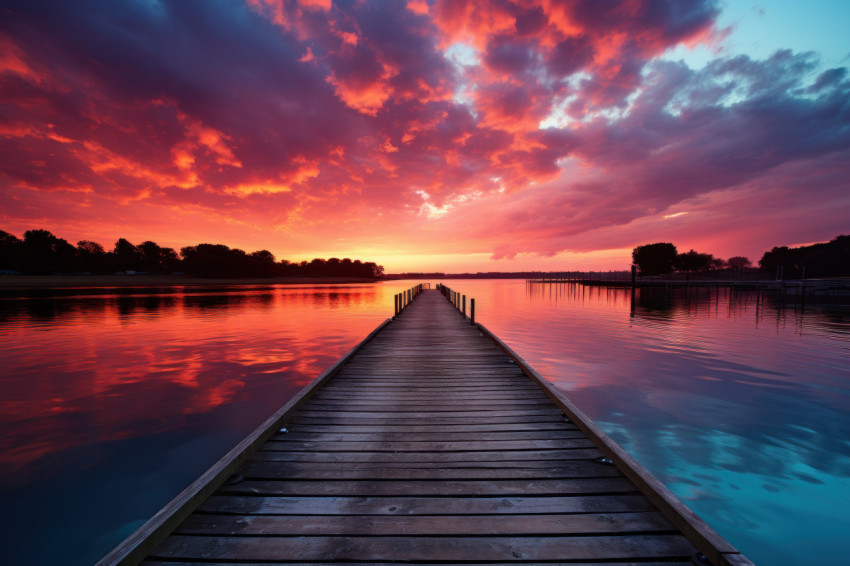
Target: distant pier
pixel 835 290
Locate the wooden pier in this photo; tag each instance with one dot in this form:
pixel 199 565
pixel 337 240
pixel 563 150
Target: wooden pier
pixel 430 442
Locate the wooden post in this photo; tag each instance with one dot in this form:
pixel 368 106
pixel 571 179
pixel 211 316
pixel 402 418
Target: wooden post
pixel 464 305
pixel 396 304
pixel 472 310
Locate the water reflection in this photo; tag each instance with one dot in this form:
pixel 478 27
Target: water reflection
pixel 738 403
pixel 113 403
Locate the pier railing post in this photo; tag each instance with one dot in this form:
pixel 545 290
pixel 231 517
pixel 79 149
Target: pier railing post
pixel 464 305
pixel 472 310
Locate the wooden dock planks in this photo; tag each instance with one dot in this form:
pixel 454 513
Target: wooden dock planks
pixel 430 444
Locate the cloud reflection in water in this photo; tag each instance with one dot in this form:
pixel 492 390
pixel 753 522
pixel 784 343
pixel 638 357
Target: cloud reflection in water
pixel 742 407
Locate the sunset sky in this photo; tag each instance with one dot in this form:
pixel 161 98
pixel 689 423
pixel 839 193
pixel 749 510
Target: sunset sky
pixel 429 135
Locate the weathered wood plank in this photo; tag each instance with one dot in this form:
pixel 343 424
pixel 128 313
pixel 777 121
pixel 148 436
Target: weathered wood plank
pixel 435 404
pixel 299 434
pixel 424 525
pixel 430 457
pixel 360 419
pixel 395 428
pixel 298 470
pixel 432 487
pixel 432 414
pixel 285 444
pixel 261 505
pixel 431 389
pixel 457 412
pixel 384 563
pixel 424 548
pixel 373 397
pixel 436 470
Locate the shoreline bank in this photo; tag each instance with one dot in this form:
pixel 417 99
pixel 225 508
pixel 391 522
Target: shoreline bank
pixel 30 282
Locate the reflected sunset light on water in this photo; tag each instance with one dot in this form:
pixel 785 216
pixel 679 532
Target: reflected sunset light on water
pixel 113 403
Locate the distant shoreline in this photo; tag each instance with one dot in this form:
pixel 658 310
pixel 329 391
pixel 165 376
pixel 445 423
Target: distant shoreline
pixel 27 282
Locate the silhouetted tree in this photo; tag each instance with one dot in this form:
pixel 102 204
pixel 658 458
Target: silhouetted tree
pixel 92 258
pixel 169 260
pixel 316 268
pixel 11 252
pixel 654 259
pixel 262 264
pixel 156 259
pixel 692 261
pixel 215 260
pixel 286 268
pixel 128 256
pixel 739 263
pixel 45 253
pixel 41 252
pixel 829 259
pixel 376 270
pixel 150 257
pixel 776 257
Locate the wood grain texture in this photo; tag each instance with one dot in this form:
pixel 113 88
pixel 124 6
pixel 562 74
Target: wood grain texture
pixel 439 549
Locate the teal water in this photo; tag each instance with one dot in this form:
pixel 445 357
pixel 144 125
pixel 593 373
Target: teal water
pixel 110 404
pixel 741 407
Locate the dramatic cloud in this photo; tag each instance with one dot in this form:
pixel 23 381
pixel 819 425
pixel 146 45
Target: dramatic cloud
pixel 512 130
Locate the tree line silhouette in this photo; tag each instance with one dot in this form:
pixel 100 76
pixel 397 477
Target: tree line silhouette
pixel 42 253
pixel 829 259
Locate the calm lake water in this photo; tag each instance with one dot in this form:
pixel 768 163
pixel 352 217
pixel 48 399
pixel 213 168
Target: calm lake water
pixel 112 402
